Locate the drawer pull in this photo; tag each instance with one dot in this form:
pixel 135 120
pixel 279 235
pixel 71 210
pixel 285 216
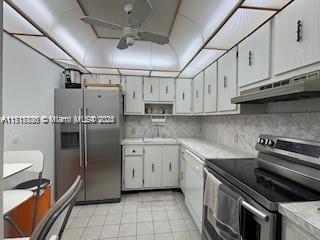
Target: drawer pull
pixel 133 151
pixel 170 167
pixel 152 167
pixel 132 173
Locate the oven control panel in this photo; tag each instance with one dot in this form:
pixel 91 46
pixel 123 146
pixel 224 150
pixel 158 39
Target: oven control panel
pixel 303 149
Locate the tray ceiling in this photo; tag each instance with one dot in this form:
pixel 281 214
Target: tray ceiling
pixel 191 26
pixel 159 21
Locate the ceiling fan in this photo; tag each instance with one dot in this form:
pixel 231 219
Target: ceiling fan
pixel 137 13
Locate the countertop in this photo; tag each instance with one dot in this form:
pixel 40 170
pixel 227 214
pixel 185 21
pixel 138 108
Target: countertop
pixel 304 214
pixel 201 147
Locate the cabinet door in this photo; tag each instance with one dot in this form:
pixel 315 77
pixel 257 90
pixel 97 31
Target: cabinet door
pixel 108 79
pixel 151 89
pixel 89 78
pixel 210 88
pixel 152 166
pixel 297 36
pixel 183 95
pixel 133 94
pixel 290 231
pixel 198 93
pixel 170 166
pixel 254 56
pixel 167 89
pixel 227 80
pixel 133 175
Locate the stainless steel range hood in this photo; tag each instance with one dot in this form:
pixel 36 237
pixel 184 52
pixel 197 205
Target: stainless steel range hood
pixel 300 87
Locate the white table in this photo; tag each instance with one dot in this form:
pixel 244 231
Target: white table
pixel 10 169
pixel 13 198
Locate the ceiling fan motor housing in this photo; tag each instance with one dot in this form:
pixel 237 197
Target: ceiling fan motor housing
pixel 130 34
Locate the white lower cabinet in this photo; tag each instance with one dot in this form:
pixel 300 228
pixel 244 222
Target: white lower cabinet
pixel 133 172
pixel 170 166
pixel 152 166
pixel 290 231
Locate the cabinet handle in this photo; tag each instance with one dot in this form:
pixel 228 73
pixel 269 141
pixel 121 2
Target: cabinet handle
pixel 197 93
pixel 299 31
pixel 170 167
pixel 209 89
pixel 132 173
pixel 183 95
pixel 167 90
pixel 250 58
pixel 225 82
pixel 151 88
pixel 152 167
pixel 134 94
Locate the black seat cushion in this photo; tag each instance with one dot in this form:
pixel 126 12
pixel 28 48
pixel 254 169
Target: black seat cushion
pixel 33 184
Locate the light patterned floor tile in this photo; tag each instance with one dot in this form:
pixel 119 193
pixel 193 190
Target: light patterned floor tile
pixel 91 233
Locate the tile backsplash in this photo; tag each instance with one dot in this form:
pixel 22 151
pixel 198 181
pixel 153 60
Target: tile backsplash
pixel 176 126
pixel 242 131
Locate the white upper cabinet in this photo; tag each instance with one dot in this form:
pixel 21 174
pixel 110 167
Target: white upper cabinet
pixel 183 95
pixel 108 79
pixel 133 94
pixel 227 80
pixel 254 56
pixel 297 36
pixel 198 93
pixel 151 89
pixel 167 89
pixel 158 89
pixel 210 88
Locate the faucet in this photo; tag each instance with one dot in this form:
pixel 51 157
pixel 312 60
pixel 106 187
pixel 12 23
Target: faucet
pixel 152 126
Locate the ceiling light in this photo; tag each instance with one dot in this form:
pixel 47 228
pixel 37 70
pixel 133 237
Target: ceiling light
pixel 111 71
pixel 13 22
pixel 275 4
pixel 44 45
pixel 70 64
pixel 164 74
pixel 130 72
pixel 240 25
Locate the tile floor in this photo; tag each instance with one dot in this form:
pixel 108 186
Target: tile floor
pixel 159 215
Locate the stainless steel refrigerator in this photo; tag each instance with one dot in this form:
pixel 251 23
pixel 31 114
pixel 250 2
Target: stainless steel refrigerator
pixel 90 150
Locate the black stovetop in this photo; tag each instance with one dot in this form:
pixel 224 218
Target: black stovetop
pixel 263 184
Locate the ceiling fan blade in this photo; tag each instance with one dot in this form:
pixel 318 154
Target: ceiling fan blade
pixel 101 23
pixel 141 10
pixel 153 37
pixel 122 43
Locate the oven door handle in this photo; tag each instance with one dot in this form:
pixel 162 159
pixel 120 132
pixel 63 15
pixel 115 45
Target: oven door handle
pixel 255 211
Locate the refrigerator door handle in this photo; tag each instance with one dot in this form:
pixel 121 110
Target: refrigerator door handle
pixel 80 137
pixel 85 139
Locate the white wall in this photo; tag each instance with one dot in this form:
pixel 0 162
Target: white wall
pixel 29 80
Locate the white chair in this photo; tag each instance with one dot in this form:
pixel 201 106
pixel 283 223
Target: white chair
pixel 37 159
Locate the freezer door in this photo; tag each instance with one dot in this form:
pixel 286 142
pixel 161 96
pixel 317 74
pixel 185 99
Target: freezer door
pixel 68 151
pixel 102 144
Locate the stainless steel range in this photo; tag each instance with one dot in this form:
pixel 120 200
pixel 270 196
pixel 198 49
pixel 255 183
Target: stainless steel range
pixel 286 170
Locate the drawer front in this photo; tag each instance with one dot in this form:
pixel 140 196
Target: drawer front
pixel 133 150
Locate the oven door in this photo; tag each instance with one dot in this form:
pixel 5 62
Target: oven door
pixel 256 222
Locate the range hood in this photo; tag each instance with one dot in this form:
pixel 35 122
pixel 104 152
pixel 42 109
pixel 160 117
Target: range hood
pixel 296 88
